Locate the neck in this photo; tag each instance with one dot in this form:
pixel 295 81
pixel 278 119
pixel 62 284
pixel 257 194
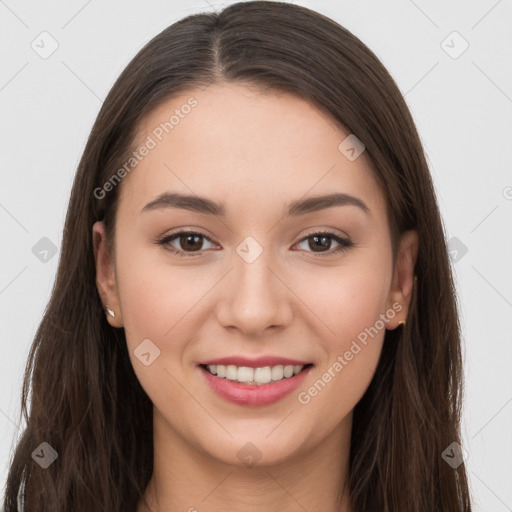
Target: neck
pixel 186 478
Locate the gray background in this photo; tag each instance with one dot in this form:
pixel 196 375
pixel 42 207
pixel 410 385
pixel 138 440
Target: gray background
pixel 461 102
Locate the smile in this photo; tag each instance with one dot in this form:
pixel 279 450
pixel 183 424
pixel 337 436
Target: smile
pixel 254 376
pixel 259 386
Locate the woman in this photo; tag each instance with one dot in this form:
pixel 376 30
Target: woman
pixel 254 306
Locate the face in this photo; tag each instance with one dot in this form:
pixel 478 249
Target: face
pixel 313 287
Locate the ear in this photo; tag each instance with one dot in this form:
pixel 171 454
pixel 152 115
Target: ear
pixel 403 277
pixel 105 275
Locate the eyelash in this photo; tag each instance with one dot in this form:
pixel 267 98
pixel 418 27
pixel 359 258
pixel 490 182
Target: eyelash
pixel 345 243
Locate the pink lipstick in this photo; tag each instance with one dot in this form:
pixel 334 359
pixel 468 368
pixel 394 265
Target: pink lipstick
pixel 255 382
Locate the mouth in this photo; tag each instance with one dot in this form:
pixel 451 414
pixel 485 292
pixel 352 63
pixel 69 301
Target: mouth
pixel 254 385
pixel 255 376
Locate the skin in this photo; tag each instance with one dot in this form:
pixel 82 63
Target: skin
pixel 256 152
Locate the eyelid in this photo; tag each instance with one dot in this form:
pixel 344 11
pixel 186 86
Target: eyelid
pixel 331 231
pixel 342 240
pixel 166 240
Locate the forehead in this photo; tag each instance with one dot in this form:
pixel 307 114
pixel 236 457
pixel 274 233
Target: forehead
pixel 234 138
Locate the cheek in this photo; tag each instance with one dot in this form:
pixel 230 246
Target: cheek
pixel 350 358
pixel 154 294
pixel 349 307
pixel 157 304
pixel 345 300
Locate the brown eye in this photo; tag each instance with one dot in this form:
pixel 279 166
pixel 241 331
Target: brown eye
pixel 190 242
pixel 321 243
pixel 187 242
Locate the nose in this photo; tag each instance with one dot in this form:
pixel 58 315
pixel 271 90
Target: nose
pixel 254 298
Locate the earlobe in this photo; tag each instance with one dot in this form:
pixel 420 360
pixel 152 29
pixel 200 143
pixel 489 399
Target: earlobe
pixel 404 278
pixel 105 276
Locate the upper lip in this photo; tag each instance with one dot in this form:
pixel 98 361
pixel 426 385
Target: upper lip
pixel 258 362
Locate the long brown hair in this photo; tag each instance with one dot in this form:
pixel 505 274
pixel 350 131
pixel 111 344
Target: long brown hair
pixel 86 401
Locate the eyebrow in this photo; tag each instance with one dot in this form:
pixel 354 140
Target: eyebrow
pixel 296 208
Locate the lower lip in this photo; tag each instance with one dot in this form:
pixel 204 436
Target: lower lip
pixel 254 394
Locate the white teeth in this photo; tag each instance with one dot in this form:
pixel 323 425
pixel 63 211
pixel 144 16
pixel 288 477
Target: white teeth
pixel 262 375
pixel 277 372
pixel 231 372
pixel 245 374
pixel 288 371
